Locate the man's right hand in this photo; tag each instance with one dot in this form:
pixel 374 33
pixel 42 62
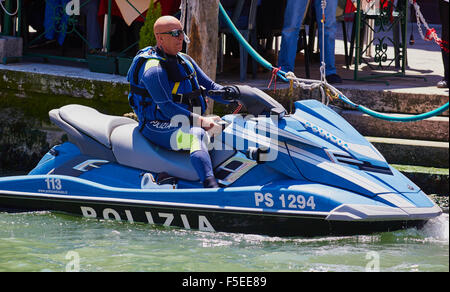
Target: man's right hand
pixel 210 125
pixel 207 123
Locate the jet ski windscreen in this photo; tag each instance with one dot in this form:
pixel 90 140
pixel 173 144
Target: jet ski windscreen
pixel 258 102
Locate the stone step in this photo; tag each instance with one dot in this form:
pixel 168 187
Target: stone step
pixel 431 129
pixel 374 98
pixel 412 152
pixel 403 100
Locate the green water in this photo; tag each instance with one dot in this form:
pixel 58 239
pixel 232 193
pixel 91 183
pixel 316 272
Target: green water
pixel 43 241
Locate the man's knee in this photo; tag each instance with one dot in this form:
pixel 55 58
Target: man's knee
pixel 194 140
pixel 197 132
pixel 200 139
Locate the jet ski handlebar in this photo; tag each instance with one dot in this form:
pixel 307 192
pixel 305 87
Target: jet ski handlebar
pixel 228 93
pixel 255 100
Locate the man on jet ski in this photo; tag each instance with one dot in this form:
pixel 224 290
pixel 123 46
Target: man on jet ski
pixel 165 83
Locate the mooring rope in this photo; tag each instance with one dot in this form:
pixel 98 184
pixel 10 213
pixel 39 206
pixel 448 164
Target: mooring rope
pixel 327 90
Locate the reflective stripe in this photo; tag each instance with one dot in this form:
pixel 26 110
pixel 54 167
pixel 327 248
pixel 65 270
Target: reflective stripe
pixel 175 87
pixel 151 63
pixel 186 141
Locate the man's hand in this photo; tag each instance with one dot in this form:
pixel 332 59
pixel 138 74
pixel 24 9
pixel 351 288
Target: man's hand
pixel 215 118
pixel 210 125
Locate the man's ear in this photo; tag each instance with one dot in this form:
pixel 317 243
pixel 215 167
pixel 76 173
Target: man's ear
pixel 158 39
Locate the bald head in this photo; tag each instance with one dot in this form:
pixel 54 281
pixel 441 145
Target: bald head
pixel 166 23
pixel 170 44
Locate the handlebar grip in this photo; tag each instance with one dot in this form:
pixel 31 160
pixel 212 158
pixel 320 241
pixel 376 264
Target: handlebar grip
pixel 216 92
pixel 229 93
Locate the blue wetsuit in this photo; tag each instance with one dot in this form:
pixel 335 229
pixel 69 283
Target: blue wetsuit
pixel 163 87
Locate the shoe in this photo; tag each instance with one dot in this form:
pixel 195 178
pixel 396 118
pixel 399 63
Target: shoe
pixel 442 84
pixel 210 182
pixel 333 79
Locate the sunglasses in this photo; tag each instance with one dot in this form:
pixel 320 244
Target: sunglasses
pixel 176 33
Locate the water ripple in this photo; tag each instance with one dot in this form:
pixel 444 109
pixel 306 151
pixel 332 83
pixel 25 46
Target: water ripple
pixel 41 241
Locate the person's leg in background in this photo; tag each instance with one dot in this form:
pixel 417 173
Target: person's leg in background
pixel 93 32
pixel 293 18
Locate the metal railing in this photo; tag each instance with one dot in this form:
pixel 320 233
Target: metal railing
pixel 378 22
pixel 59 23
pixel 7 13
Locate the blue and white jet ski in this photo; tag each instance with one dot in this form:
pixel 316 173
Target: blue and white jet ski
pixel 309 173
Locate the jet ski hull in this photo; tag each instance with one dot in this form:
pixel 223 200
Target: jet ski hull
pixel 215 210
pixel 205 219
pixel 306 174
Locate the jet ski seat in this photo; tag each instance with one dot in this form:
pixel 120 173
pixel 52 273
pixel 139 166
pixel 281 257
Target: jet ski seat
pixel 88 129
pixel 117 139
pixel 131 148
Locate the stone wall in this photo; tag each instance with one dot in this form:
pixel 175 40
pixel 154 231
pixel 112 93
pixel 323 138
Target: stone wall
pixel 26 133
pixel 22 143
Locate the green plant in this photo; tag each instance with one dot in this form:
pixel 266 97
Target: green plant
pixel 147 37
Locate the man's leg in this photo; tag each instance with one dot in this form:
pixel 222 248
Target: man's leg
pixel 93 33
pixel 293 18
pixel 196 141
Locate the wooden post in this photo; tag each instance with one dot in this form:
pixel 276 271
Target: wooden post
pixel 202 24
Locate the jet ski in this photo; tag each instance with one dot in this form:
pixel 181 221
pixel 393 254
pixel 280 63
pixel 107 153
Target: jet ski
pixel 308 173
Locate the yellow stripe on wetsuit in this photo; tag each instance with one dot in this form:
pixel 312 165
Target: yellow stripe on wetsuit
pixel 175 87
pixel 186 141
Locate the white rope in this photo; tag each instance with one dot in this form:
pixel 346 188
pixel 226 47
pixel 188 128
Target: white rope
pixel 323 5
pixel 6 11
pixel 322 84
pixel 310 84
